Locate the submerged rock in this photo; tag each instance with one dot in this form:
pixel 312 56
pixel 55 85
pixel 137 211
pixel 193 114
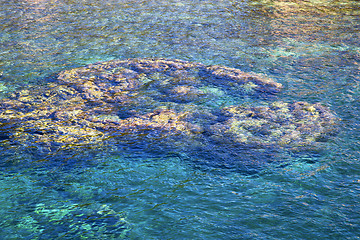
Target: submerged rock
pixel 280 124
pixel 80 221
pixel 170 99
pixel 249 82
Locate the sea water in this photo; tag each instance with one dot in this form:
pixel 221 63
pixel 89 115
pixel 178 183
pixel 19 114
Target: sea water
pixel 135 192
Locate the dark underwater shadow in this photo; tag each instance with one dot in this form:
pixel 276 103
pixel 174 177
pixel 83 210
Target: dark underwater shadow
pixel 199 153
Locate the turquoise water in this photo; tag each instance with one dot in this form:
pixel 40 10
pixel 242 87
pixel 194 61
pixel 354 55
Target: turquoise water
pixel 138 192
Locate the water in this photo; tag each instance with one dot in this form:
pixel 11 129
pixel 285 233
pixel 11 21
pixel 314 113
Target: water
pixel 129 192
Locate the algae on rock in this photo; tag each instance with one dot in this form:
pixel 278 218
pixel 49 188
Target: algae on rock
pixel 171 99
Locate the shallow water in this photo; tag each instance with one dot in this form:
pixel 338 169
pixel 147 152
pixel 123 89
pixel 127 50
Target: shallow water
pixel 137 191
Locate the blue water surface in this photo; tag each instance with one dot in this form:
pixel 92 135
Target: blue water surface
pixel 139 192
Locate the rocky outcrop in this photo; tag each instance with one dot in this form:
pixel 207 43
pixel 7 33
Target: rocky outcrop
pixel 169 98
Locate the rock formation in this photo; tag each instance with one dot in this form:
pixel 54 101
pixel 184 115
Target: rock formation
pixel 167 98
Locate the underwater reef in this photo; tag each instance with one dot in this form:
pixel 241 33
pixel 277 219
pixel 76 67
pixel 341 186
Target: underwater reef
pixel 157 99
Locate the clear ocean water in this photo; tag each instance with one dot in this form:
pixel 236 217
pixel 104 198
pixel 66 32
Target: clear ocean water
pixel 312 47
